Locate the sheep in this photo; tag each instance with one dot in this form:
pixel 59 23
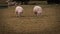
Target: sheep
pixel 37 10
pixel 19 11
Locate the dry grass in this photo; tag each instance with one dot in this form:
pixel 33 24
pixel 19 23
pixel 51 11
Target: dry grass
pixel 47 23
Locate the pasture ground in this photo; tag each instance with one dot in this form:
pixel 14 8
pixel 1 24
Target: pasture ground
pixel 47 23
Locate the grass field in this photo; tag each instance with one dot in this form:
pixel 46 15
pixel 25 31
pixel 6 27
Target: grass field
pixel 47 23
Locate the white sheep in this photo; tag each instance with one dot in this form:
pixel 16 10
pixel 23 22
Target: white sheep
pixel 37 10
pixel 19 11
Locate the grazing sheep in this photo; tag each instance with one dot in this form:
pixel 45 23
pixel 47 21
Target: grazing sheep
pixel 18 11
pixel 37 10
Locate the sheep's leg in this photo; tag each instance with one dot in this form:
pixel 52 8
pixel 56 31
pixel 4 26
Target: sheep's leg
pixel 20 14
